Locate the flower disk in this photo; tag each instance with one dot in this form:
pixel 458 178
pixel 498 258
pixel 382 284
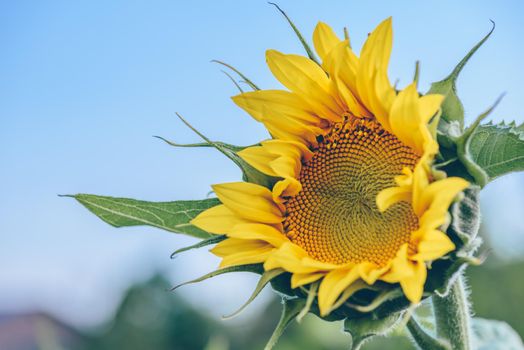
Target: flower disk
pixel 335 218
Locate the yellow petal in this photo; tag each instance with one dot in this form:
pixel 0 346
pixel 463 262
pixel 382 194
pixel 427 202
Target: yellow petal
pixel 249 201
pixel 300 279
pixel 286 167
pixel 231 246
pixel 405 119
pixel 288 257
pixel 279 158
pixel 283 189
pixel 324 39
pixel 305 78
pixel 432 245
pixel 293 258
pixel 436 199
pixel 219 219
pixel 263 104
pixel 259 158
pixel 332 286
pixel 254 256
pixel 401 267
pixel 344 65
pixel 377 48
pixel 420 183
pixel 389 196
pixel 286 128
pixel 241 251
pixel 385 93
pixel 429 106
pixel 350 100
pixel 370 272
pixel 375 58
pixel 413 286
pixel 260 232
pixel 291 149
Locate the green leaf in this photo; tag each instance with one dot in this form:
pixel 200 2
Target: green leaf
pixel 170 216
pixel 362 329
pixel 497 149
pixel 494 335
pixel 452 109
pixel 463 143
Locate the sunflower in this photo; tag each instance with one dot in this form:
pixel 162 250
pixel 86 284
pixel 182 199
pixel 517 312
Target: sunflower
pixel 356 200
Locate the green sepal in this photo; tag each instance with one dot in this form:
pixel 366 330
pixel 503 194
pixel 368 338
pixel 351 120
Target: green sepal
pixel 290 310
pixel 282 285
pixel 465 218
pixel 249 174
pixel 463 231
pixel 443 274
pixel 378 300
pixel 311 295
pixel 494 335
pixel 240 90
pixel 254 268
pixel 246 79
pixel 363 329
pixel 497 149
pixel 203 243
pixel 266 277
pixel 303 41
pixel 452 109
pixel 170 216
pixel 213 144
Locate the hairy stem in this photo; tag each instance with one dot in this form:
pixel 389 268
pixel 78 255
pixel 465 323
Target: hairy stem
pixel 452 316
pixel 423 340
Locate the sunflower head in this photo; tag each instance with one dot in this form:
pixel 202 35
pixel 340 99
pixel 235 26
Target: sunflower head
pixel 357 209
pixel 362 201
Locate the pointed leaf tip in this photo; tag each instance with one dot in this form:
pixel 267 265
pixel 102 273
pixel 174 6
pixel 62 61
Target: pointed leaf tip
pixel 250 174
pixel 303 41
pixel 264 280
pixel 255 268
pixel 452 108
pixel 170 216
pixel 240 74
pixel 496 149
pixel 209 241
pixel 464 150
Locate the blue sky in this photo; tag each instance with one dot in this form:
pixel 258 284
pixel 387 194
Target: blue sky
pixel 85 84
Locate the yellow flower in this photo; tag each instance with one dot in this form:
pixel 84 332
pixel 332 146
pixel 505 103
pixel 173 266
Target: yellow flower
pixel 356 200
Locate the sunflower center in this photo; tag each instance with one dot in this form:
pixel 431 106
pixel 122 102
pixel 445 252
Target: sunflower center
pixel 335 217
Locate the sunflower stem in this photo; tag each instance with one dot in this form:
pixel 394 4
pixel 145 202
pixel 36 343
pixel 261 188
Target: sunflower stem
pixel 452 316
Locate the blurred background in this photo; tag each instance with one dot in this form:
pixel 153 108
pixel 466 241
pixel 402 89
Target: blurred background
pixel 84 86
